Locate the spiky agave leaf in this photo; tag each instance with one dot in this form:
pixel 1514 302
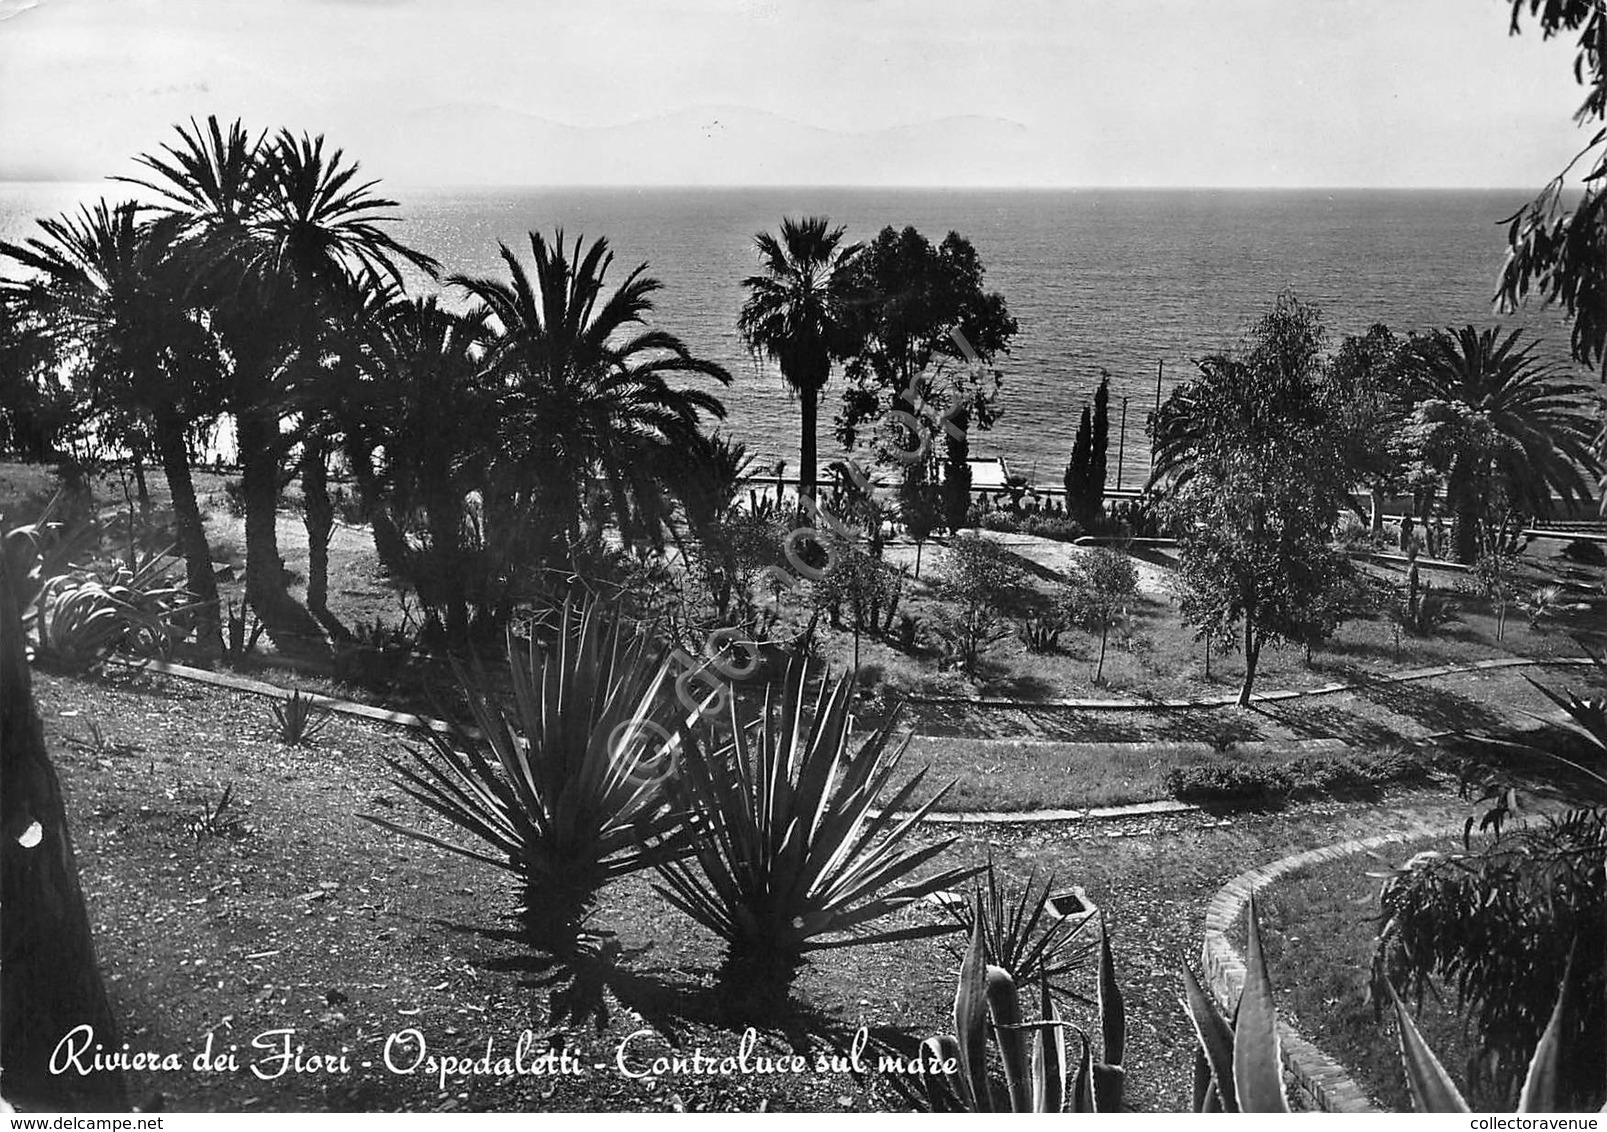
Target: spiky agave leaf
pixel 1431 1086
pixel 1214 1035
pixel 568 787
pixel 1257 1052
pixel 796 856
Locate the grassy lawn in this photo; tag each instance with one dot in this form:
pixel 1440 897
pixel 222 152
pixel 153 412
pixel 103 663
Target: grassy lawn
pixel 305 918
pixel 1319 926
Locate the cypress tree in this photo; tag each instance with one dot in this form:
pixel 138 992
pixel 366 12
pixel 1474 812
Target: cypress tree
pixel 1098 466
pixel 1080 469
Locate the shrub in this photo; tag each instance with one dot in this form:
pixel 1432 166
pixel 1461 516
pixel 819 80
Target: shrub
pixel 1498 925
pixel 968 634
pixel 792 857
pixel 568 788
pixel 1228 781
pixel 1040 632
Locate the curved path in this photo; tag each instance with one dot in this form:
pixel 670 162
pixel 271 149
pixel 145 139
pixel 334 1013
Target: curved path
pixel 1321 1081
pixel 969 817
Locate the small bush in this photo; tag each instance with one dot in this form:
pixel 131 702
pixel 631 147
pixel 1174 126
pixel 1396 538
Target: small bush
pixel 234 498
pixel 1041 632
pixel 1229 780
pixel 1218 781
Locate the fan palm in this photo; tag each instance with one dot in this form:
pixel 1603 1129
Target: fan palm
pixel 792 315
pixel 110 289
pixel 584 381
pixel 1501 426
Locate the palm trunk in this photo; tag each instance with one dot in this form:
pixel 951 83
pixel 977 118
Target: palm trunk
pixel 288 624
pixel 806 443
pixel 1463 500
pixel 318 515
pixel 199 579
pixel 50 981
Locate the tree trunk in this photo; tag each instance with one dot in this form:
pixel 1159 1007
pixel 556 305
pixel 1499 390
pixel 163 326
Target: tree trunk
pixel 1462 497
pixel 50 982
pixel 199 579
pixel 1099 669
pixel 288 624
pixel 318 515
pixel 1252 653
pixel 806 442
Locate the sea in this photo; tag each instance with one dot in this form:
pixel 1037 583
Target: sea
pixel 1136 283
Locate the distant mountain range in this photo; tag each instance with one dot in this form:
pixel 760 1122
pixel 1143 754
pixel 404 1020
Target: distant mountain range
pixel 713 145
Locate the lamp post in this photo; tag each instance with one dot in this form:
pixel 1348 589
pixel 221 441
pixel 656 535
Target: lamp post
pixel 1121 446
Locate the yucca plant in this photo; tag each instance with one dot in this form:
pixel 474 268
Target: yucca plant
pixel 299 719
pixel 795 857
pixel 567 788
pixel 1040 1073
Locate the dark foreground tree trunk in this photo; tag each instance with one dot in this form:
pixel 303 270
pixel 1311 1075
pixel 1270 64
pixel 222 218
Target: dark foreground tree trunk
pixel 291 628
pixel 957 478
pixel 198 576
pixel 808 404
pixel 50 984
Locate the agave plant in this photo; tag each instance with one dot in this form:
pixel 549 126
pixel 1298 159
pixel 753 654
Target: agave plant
pixel 796 858
pixel 1039 1074
pixel 299 719
pixel 1434 1091
pixel 567 788
pixel 1238 1064
pixel 1032 934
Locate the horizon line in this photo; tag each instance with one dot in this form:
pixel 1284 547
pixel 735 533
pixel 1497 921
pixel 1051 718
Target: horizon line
pixel 6 179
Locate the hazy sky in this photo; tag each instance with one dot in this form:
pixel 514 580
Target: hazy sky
pixel 1058 92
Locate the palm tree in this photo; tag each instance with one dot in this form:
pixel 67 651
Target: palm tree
pixel 108 286
pixel 793 316
pixel 583 382
pixel 1500 426
pixel 423 405
pixel 276 228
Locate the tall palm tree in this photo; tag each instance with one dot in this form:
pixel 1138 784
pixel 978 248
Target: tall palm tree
pixel 792 315
pixel 276 228
pixel 583 381
pixel 109 287
pixel 1501 427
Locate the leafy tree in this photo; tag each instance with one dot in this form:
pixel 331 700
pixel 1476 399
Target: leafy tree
pixel 925 333
pixel 1368 378
pixel 585 383
pixel 920 508
pixel 1251 451
pixel 1101 588
pixel 110 292
pixel 1500 427
pixel 982 583
pixel 792 315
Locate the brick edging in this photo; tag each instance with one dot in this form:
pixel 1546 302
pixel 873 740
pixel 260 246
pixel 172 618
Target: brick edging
pixel 1316 1075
